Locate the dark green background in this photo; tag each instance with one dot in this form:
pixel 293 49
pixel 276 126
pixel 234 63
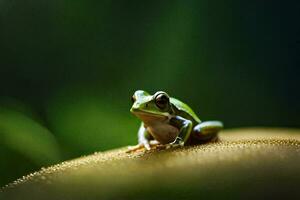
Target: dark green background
pixel 68 70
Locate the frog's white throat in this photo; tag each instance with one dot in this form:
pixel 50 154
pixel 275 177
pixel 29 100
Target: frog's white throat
pixel 152 118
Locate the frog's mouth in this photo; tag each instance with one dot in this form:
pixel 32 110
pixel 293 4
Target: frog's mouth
pixel 148 116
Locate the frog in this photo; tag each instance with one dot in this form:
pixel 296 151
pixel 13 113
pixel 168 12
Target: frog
pixel 168 122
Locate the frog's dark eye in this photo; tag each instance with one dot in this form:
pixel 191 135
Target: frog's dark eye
pixel 133 99
pixel 162 101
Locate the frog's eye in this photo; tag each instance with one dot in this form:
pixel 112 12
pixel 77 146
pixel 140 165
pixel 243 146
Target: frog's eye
pixel 133 99
pixel 162 100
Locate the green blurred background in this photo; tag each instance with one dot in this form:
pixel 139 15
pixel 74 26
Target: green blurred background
pixel 68 70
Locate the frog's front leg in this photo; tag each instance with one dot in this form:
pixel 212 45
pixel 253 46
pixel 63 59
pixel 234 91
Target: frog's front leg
pixel 143 140
pixel 185 128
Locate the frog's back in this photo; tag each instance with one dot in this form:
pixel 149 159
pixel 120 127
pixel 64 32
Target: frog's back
pixel 184 110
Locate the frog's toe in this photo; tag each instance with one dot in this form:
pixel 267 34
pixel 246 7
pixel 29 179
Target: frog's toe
pixel 177 143
pixel 134 148
pixel 154 142
pixel 147 146
pixel 169 146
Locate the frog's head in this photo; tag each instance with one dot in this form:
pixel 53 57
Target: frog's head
pixel 151 107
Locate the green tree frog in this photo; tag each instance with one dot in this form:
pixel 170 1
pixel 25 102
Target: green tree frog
pixel 169 122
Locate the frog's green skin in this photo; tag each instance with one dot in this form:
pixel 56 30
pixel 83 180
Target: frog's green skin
pixel 170 121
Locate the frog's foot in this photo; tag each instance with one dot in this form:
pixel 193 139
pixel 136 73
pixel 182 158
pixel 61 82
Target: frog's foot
pixel 146 146
pixel 168 146
pixel 134 148
pixel 177 143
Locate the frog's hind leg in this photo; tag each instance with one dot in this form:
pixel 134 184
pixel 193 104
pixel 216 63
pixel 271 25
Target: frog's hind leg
pixel 207 131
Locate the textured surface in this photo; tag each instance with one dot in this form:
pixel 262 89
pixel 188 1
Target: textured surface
pixel 245 163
